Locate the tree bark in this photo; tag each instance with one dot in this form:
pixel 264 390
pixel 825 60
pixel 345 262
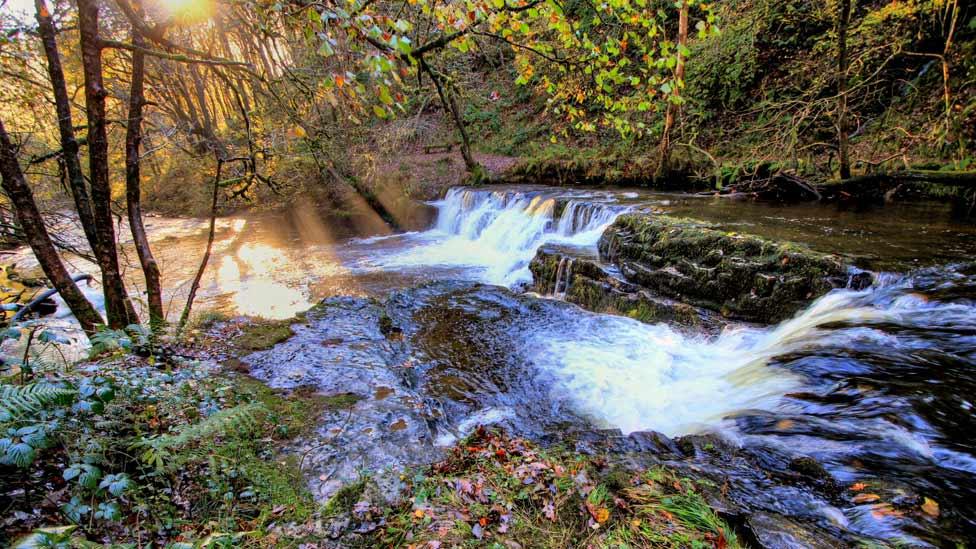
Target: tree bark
pixel 664 166
pixel 843 144
pixel 69 144
pixel 133 195
pixel 117 306
pixel 38 238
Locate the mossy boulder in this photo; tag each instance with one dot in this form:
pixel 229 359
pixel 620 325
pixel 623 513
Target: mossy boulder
pixel 741 276
pixel 586 283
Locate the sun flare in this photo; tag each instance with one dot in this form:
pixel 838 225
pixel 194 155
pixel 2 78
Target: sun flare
pixel 188 11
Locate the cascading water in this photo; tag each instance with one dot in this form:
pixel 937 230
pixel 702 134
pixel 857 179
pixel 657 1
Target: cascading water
pixel 498 232
pixel 637 376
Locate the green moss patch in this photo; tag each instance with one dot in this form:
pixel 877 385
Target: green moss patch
pixel 262 334
pixel 341 401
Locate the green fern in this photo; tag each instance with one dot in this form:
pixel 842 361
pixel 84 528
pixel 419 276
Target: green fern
pixel 18 400
pixel 236 419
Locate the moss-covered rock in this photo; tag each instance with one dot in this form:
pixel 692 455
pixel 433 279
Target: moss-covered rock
pixel 585 283
pixel 740 276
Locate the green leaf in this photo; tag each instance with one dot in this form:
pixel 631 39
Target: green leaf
pixel 385 96
pixel 116 484
pixel 108 511
pixel 20 454
pixel 55 536
pixel 90 476
pixel 75 509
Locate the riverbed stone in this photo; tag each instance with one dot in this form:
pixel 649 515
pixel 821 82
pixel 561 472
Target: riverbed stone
pixel 741 276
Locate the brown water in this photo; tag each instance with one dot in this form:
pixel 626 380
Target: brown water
pixel 896 236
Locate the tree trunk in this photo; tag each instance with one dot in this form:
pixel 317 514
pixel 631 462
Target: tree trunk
pixel 664 166
pixel 38 238
pixel 450 104
pixel 133 195
pixel 195 285
pixel 117 306
pixel 69 144
pixel 843 145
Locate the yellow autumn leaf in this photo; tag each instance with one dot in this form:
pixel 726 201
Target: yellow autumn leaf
pixel 300 132
pixel 930 507
pixel 419 513
pixel 602 515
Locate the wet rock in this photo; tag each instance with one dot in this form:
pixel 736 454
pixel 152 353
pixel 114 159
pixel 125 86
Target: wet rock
pixel 740 276
pixel 774 531
pixel 812 472
pixel 654 442
pixel 355 431
pixel 586 283
pixel 861 281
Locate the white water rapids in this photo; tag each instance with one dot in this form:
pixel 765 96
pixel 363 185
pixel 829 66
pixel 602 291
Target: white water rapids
pixel 495 234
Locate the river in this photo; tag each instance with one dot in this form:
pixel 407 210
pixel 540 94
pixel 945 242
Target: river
pixel 877 385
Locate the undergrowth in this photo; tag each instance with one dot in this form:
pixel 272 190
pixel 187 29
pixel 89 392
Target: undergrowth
pixel 125 450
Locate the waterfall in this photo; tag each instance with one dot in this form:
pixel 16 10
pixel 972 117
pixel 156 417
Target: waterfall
pixel 584 217
pixel 498 232
pixel 564 274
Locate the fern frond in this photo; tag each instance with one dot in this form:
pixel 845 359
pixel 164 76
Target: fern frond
pixel 236 419
pixel 18 400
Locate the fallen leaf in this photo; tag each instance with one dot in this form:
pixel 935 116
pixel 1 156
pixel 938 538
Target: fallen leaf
pixel 858 486
pixel 602 515
pixel 419 513
pixel 882 510
pixel 930 507
pixel 549 510
pixel 866 498
pixel 784 424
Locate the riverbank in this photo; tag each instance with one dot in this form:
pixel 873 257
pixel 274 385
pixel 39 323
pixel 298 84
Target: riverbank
pixel 221 446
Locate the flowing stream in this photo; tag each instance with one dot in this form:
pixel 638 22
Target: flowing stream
pixel 877 385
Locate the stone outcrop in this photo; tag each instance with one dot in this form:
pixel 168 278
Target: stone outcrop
pixel 740 276
pixel 586 283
